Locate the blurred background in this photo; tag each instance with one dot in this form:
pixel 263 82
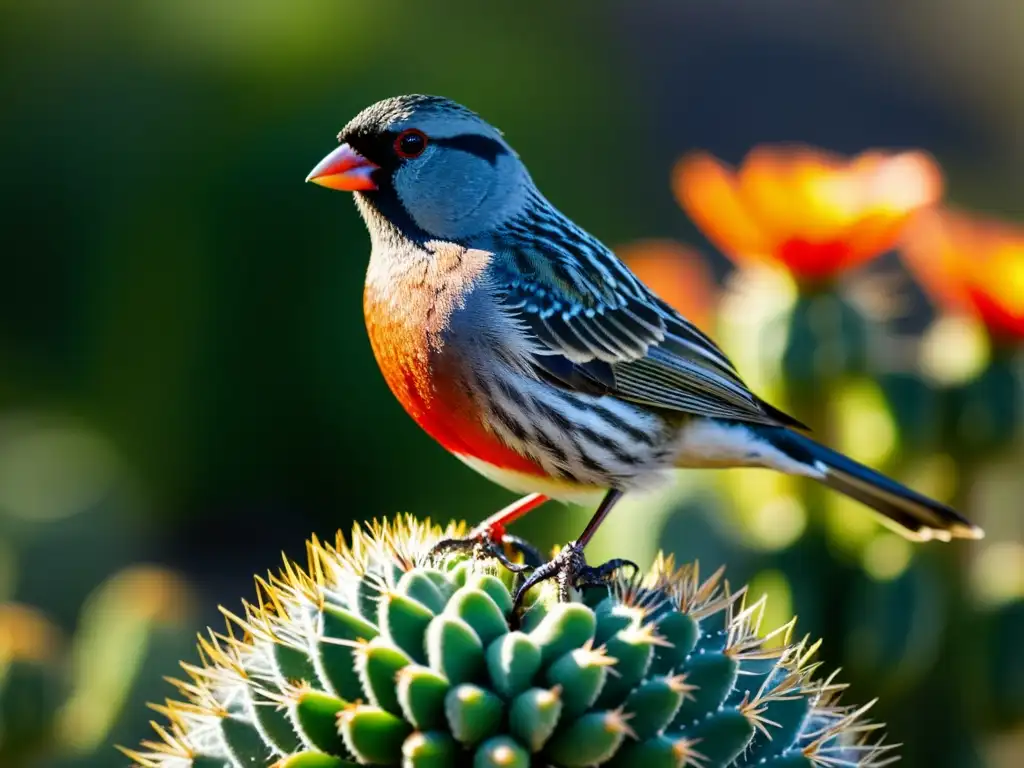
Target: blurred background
pixel 186 387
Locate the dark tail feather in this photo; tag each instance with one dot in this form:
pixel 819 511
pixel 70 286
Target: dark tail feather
pixel 916 516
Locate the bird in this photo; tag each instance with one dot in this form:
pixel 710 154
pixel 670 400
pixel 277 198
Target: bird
pixel 523 345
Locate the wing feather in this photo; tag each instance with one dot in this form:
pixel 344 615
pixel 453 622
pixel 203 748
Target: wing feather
pixel 600 330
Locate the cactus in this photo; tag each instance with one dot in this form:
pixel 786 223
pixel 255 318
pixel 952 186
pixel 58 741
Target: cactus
pixel 827 339
pixel 985 416
pixel 378 653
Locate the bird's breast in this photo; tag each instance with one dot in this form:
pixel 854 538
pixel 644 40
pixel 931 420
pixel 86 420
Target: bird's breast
pixel 411 311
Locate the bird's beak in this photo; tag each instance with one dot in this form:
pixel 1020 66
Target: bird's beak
pixel 344 169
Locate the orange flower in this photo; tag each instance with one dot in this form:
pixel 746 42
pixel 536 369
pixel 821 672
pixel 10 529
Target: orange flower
pixel 970 263
pixel 815 213
pixel 677 273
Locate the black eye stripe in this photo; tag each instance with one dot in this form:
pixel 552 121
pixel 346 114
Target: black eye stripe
pixel 379 147
pixel 483 147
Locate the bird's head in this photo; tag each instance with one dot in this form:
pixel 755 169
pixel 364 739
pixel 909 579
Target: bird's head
pixel 428 167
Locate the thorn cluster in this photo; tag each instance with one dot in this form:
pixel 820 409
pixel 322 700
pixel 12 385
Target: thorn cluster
pixel 376 652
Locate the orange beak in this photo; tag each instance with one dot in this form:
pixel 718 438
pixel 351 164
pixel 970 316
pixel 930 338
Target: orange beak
pixel 344 169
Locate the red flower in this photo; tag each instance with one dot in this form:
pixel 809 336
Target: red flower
pixel 970 263
pixel 815 213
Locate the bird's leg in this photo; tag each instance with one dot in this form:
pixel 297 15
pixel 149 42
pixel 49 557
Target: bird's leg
pixel 569 567
pixel 489 539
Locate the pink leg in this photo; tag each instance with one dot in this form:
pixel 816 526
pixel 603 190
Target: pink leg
pixel 490 540
pixel 494 526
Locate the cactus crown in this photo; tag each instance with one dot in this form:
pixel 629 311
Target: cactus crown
pixel 376 654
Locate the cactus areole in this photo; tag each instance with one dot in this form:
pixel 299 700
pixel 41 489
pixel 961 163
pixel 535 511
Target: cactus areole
pixel 376 653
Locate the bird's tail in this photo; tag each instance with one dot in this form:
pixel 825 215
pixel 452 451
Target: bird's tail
pixel 914 515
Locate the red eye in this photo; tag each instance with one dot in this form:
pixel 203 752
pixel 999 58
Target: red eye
pixel 410 143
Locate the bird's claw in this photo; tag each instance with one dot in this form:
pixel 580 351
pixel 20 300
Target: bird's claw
pixel 487 543
pixel 604 574
pixel 570 570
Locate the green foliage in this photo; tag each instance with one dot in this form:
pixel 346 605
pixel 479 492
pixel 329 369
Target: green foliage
pixel 1002 664
pixel 31 683
pixel 84 635
pixel 63 701
pixel 377 653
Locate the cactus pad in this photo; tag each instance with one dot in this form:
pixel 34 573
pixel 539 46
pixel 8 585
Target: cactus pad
pixel 376 654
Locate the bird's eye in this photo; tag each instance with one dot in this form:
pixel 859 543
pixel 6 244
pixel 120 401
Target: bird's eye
pixel 410 143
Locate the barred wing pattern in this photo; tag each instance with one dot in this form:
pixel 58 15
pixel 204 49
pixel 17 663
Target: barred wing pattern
pixel 602 331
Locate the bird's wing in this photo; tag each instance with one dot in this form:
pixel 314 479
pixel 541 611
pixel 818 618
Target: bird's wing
pixel 600 330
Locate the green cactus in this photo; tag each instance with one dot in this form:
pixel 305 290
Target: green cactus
pixel 984 416
pixel 377 653
pixel 827 339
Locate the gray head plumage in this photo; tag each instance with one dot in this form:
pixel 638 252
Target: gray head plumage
pixel 465 181
pixel 398 109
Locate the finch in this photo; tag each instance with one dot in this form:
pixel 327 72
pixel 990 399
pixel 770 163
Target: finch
pixel 522 345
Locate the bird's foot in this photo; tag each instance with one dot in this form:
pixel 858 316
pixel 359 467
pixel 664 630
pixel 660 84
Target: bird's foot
pixel 570 570
pixel 492 542
pixel 489 539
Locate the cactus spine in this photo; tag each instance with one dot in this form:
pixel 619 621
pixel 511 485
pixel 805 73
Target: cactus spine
pixel 375 654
